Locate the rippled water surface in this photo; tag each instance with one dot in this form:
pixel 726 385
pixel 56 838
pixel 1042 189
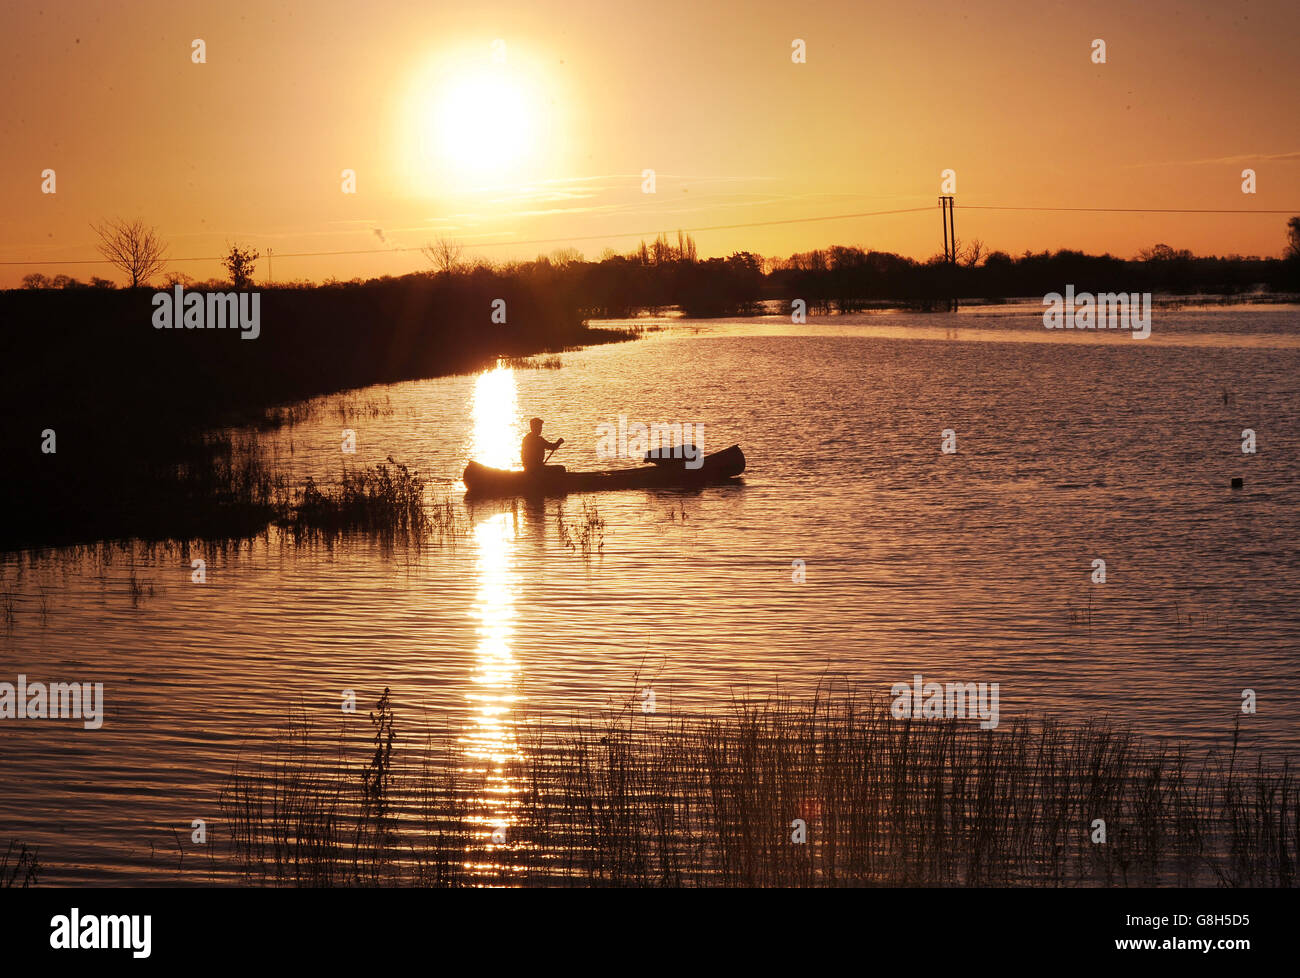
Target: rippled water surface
pixel 973 566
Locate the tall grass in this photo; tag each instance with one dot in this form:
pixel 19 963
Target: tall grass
pixel 388 498
pixel 641 799
pixel 312 812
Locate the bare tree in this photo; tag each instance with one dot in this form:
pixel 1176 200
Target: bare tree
pixel 134 248
pixel 1293 238
pixel 564 257
pixel 973 253
pixel 239 263
pixel 444 255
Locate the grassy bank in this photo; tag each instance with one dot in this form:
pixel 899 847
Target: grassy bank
pixel 124 405
pixel 655 800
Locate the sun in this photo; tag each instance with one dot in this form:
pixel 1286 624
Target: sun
pixel 484 124
pixel 473 123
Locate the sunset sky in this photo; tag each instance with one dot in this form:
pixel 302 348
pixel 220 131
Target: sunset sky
pixel 508 155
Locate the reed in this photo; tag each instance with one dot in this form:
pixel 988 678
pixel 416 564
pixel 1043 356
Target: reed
pixel 137 590
pixel 387 499
pixel 531 363
pixel 586 536
pixel 445 520
pixel 311 812
pixel 20 867
pixel 828 790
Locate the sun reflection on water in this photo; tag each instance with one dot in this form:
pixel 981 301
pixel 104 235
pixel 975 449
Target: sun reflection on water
pixel 489 743
pixel 498 429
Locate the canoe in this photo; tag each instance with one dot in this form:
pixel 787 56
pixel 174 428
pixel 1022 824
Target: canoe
pixel 719 467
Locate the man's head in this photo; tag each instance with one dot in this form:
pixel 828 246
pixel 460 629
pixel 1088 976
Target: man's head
pixel 536 425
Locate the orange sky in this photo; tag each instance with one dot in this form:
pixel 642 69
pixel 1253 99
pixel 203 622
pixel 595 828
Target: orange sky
pixel 250 146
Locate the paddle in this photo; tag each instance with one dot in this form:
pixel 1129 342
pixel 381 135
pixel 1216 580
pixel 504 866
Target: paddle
pixel 553 451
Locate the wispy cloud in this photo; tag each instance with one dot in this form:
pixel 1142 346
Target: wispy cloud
pixel 1292 157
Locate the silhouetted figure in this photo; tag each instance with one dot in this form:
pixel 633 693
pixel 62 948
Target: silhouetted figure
pixel 534 448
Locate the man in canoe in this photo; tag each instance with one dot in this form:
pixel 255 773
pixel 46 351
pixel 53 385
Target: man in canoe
pixel 534 448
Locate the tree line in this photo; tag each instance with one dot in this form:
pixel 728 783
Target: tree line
pixel 667 273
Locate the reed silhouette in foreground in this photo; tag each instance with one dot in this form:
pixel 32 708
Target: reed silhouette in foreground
pixel 20 866
pixel 629 798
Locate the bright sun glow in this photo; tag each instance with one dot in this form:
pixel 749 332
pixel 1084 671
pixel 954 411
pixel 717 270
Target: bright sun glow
pixel 485 125
pixel 470 123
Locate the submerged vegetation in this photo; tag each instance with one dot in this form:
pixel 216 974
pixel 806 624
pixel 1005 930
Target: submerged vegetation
pixel 830 790
pixel 586 536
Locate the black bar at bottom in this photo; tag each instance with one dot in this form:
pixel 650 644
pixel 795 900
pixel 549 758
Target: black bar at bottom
pixel 210 927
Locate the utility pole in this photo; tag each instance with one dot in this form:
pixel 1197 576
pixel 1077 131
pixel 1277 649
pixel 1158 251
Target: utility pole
pixel 949 230
pixel 947 204
pixel 270 268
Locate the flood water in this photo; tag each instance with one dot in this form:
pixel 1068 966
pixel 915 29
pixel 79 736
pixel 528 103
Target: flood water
pixel 974 566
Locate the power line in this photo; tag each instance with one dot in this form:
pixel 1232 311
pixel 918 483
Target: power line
pixel 1128 210
pixel 697 230
pixel 534 241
